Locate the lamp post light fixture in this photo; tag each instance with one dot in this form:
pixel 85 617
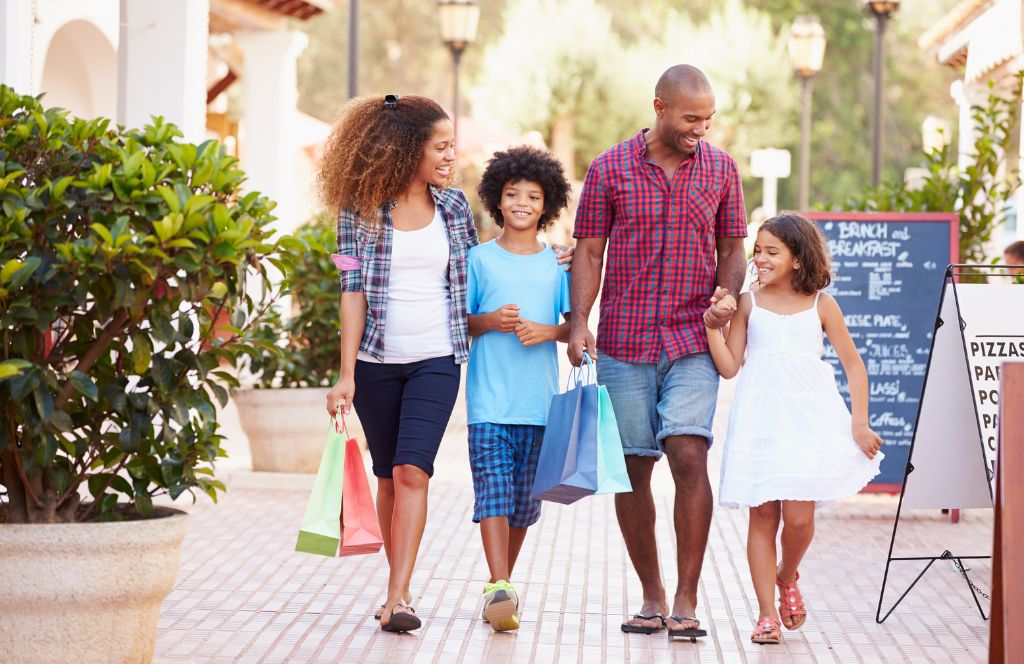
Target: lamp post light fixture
pixel 458 20
pixel 881 10
pixel 806 45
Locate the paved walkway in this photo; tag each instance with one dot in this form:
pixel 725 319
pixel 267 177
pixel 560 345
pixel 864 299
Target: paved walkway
pixel 243 595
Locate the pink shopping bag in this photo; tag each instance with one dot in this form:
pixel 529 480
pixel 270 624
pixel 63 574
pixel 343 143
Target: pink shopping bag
pixel 360 531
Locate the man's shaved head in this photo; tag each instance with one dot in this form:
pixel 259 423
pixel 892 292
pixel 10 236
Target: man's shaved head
pixel 682 78
pixel 684 105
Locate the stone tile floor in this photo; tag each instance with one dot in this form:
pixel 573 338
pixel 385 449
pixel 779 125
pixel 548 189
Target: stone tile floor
pixel 243 594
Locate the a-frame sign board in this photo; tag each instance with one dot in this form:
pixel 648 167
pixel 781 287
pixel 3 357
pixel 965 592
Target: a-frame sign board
pixel 952 454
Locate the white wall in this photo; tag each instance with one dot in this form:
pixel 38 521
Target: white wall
pixel 80 71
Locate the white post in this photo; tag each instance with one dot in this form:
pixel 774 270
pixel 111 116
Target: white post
pixel 16 31
pixel 966 128
pixel 770 199
pixel 267 151
pixel 770 164
pixel 1019 207
pixel 162 64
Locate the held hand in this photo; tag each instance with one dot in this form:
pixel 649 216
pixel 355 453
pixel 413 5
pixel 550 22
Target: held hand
pixel 723 306
pixel 506 318
pixel 531 333
pixel 580 340
pixel 340 396
pixel 868 441
pixel 564 254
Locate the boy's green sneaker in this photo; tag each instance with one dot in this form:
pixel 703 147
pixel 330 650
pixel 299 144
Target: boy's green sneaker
pixel 501 606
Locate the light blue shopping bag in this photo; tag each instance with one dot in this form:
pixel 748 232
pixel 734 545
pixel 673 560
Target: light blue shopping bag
pixel 611 462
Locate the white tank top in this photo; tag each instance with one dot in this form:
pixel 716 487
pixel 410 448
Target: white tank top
pixel 416 326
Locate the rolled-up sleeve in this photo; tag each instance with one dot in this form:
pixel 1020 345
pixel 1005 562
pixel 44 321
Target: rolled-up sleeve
pixel 465 213
pixel 594 213
pixel 731 219
pixel 348 258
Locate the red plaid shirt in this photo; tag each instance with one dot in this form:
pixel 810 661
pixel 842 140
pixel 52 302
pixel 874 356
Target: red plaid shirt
pixel 660 269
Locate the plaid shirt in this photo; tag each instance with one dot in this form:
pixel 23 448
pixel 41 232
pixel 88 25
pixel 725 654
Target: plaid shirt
pixel 661 265
pixel 364 263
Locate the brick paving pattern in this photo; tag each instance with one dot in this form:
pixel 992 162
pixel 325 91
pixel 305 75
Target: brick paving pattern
pixel 244 595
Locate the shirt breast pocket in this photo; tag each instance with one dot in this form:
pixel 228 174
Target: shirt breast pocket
pixel 458 241
pixel 704 202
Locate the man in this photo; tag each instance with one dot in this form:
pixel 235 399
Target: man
pixel 665 202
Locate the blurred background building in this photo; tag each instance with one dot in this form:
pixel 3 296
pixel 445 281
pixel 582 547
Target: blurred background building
pixel 182 60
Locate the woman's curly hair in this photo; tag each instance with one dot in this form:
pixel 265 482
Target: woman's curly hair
pixel 809 248
pixel 525 163
pixel 373 152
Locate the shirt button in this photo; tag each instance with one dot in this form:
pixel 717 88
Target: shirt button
pixel 670 227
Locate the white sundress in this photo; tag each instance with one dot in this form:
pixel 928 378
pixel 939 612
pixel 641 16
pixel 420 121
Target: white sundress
pixel 789 432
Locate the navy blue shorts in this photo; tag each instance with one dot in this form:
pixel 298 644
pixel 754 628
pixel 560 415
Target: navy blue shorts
pixel 404 409
pixel 503 459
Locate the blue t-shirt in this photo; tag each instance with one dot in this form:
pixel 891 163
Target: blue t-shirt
pixel 508 383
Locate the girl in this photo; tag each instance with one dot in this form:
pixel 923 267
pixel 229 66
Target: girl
pixel 403 235
pixel 792 444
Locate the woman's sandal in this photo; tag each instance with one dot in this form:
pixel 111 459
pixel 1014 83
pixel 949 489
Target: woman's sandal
pixel 405 621
pixel 380 611
pixel 791 602
pixel 768 631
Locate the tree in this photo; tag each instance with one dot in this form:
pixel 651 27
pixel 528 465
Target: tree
pixel 400 51
pixel 600 89
pixel 979 192
pixel 916 86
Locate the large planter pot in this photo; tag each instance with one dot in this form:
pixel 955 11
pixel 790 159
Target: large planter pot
pixel 86 592
pixel 287 427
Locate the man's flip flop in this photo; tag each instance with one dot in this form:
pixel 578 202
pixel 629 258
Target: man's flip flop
pixel 640 629
pixel 692 633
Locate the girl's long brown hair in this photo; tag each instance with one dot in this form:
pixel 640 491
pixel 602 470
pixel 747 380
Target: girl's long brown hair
pixel 807 244
pixel 373 151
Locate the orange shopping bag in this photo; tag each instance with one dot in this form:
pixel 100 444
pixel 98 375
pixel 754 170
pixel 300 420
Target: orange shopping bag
pixel 360 531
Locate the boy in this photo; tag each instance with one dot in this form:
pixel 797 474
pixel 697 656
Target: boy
pixel 518 305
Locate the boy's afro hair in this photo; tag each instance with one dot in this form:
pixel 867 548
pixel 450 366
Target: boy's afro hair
pixel 525 163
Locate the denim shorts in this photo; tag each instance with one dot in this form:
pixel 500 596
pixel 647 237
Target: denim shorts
pixel 503 459
pixel 655 401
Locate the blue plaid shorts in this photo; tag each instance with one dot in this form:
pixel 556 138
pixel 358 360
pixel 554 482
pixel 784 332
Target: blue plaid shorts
pixel 503 458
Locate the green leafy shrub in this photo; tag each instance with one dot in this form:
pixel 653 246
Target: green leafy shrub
pixel 119 249
pixel 307 339
pixel 978 193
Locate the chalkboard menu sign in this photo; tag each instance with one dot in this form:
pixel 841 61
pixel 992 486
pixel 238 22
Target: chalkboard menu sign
pixel 888 275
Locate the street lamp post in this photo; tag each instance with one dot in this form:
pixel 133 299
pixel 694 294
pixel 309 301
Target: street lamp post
pixel 458 20
pixel 353 48
pixel 881 10
pixel 806 47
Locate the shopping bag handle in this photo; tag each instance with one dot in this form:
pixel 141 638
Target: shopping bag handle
pixel 577 374
pixel 344 426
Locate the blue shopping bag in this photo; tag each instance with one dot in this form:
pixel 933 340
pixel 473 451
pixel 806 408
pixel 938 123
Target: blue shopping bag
pixel 567 469
pixel 611 461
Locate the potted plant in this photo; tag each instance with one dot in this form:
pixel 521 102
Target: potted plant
pixel 283 412
pixel 118 250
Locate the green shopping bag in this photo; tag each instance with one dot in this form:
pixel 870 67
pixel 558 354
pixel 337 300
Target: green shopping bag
pixel 320 532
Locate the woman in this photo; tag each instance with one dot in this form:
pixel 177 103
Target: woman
pixel 403 234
